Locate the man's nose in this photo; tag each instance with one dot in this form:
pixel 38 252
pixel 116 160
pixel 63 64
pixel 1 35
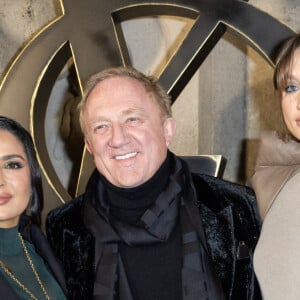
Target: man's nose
pixel 119 135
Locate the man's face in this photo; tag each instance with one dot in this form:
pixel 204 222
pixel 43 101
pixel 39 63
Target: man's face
pixel 124 131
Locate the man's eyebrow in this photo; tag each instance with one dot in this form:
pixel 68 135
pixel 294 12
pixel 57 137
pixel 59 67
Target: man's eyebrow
pixel 133 110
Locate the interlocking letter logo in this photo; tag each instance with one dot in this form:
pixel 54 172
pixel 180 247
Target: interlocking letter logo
pixel 89 31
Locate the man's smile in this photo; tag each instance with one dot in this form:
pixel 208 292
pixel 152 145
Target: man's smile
pixel 125 156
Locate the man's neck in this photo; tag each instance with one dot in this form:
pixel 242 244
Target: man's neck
pixel 128 204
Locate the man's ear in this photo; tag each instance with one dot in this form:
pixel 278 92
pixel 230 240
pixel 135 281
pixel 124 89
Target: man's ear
pixel 88 146
pixel 169 130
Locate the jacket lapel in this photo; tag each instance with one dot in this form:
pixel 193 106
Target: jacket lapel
pixel 6 291
pixel 219 231
pixel 78 260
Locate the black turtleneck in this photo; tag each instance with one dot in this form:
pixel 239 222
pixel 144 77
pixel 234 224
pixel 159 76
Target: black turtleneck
pixel 129 204
pixel 153 271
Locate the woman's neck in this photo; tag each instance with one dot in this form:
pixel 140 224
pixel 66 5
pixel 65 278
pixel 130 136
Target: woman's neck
pixel 9 241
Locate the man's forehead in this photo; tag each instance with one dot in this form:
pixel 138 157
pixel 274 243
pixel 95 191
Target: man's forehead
pixel 124 79
pixel 123 88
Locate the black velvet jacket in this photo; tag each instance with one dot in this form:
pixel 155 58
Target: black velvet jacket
pixel 231 225
pixel 34 235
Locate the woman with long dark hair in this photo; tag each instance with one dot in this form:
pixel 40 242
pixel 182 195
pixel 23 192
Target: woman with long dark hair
pixel 28 268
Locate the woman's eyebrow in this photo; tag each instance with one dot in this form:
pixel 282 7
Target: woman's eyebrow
pixel 11 156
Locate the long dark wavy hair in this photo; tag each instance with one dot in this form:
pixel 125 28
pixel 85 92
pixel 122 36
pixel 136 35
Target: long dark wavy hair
pixel 37 200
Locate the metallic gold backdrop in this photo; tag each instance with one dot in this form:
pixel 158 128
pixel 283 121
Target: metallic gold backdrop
pixel 87 36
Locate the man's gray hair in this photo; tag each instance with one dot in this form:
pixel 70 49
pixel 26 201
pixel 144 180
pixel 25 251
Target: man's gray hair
pixel 150 83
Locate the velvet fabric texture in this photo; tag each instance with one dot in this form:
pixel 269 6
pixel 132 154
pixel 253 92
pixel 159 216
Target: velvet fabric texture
pixel 34 235
pixel 231 228
pixel 155 226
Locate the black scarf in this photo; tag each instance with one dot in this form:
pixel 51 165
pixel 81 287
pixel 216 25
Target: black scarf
pixel 155 226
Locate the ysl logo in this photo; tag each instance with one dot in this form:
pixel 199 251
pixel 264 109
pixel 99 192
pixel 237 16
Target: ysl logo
pixel 89 33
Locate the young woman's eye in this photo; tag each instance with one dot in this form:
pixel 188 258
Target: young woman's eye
pixel 291 88
pixel 13 165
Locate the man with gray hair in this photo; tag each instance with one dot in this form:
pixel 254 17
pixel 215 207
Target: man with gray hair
pixel 146 227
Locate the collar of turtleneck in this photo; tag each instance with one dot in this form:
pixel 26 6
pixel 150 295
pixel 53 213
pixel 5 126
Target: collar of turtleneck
pixel 9 241
pixel 128 204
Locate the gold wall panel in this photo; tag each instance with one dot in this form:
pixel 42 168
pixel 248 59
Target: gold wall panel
pixel 88 33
